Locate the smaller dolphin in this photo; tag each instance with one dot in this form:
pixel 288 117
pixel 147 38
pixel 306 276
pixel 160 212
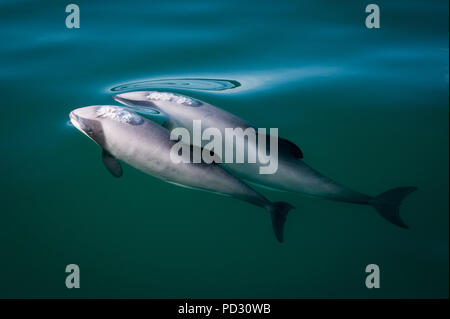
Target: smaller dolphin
pixel 293 173
pixel 123 134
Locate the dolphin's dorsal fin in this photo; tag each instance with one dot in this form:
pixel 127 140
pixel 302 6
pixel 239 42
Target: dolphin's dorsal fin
pixel 216 158
pixel 200 149
pixel 112 164
pixel 289 147
pixel 286 147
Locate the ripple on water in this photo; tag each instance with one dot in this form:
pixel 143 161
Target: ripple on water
pixel 182 83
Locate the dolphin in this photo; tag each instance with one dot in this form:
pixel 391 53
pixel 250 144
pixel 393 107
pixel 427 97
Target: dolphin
pixel 293 174
pixel 124 135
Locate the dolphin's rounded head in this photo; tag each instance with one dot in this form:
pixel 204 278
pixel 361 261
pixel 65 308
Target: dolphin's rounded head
pixel 94 120
pixel 156 99
pixel 83 119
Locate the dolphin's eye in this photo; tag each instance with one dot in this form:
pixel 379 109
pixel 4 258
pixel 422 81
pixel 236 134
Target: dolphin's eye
pixel 119 114
pixel 172 97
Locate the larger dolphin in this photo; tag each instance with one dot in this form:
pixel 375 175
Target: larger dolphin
pixel 123 134
pixel 293 174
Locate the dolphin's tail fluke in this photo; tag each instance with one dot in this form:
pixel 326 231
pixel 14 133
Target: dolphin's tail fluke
pixel 388 203
pixel 278 212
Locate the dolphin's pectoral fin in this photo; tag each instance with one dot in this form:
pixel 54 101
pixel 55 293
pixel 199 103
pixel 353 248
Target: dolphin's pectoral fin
pixel 112 164
pixel 289 147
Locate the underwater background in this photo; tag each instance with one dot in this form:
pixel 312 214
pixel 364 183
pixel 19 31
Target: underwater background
pixel 368 107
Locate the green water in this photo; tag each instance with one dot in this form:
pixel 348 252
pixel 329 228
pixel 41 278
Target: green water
pixel 369 108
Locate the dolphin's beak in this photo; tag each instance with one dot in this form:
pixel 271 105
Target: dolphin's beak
pixel 73 117
pixel 131 98
pixel 75 120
